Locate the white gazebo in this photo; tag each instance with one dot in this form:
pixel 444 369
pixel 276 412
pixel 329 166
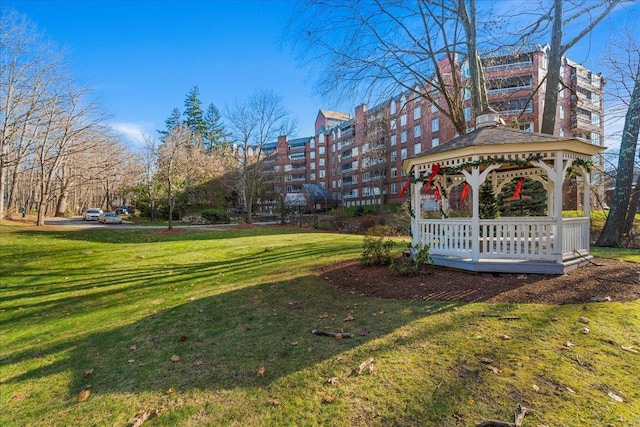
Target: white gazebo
pixel 547 244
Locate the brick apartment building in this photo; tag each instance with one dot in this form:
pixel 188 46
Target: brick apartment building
pixel 356 159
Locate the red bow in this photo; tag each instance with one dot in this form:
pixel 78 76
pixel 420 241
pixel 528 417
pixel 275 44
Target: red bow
pixel 436 193
pixel 465 191
pixel 518 189
pixel 405 188
pixel 435 168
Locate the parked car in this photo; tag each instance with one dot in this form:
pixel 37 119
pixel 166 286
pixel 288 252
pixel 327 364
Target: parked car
pixel 92 214
pixel 125 210
pixel 110 218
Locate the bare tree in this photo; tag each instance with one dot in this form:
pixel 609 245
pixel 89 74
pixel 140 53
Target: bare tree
pixel 381 48
pixel 625 82
pixel 29 66
pixel 253 124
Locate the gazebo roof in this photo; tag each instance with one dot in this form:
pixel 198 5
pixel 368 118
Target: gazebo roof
pixel 501 142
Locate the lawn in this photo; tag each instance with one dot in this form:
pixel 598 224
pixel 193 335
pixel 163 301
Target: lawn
pixel 130 327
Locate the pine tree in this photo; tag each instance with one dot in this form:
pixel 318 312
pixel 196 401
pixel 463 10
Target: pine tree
pixel 215 133
pixel 194 116
pixel 488 204
pixel 171 122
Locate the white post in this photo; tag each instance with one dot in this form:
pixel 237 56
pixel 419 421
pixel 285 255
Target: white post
pixel 416 189
pixel 475 179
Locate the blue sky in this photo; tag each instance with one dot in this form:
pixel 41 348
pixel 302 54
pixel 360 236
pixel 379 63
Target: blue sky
pixel 142 57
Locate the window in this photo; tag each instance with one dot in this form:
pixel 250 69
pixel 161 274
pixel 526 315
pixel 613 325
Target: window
pixel 595 119
pixel 561 131
pixel 321 150
pixel 467 114
pixel 288 189
pixel 417 131
pixel 394 188
pixel 435 142
pixel 403 154
pixel 392 107
pixel 435 125
pixel 312 166
pixel 365 176
pixel 366 191
pixel 403 120
pixel 321 174
pixel 417 148
pixel 312 177
pixel 393 124
pixel 561 111
pixel 394 172
pixel 466 71
pixel 321 162
pixel 466 94
pixel 403 136
pixel 595 99
pixel 595 138
pixel 560 92
pixel 312 154
pixel 354 151
pixel 394 156
pixel 394 139
pixel 287 168
pixel 333 183
pixel 417 113
pixel 434 108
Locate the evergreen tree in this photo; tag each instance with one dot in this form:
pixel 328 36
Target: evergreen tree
pixel 194 116
pixel 171 122
pixel 532 200
pixel 488 204
pixel 215 134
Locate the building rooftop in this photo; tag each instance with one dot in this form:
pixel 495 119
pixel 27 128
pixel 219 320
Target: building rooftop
pixel 335 115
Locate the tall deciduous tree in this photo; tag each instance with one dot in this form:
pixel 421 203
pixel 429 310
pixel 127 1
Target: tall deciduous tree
pixel 626 82
pixel 254 123
pixel 380 48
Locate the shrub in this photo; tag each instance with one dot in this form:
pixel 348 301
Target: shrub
pixel 419 256
pixel 376 246
pixel 216 216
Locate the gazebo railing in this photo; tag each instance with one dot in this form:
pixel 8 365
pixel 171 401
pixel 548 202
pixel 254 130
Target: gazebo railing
pixel 575 236
pixel 531 238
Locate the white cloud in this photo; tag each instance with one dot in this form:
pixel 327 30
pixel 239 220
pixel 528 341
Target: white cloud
pixel 133 132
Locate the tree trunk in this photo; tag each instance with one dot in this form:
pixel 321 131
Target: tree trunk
pixel 614 228
pixel 553 72
pixel 2 187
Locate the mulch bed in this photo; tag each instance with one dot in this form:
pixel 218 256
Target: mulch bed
pixel 603 279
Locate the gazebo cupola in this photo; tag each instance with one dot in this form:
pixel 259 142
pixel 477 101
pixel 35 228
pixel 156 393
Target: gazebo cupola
pixel 548 244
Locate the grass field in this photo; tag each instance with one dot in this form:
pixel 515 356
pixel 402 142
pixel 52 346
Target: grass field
pixel 113 327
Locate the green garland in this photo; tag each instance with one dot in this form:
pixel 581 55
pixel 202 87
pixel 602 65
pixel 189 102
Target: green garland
pixel 452 170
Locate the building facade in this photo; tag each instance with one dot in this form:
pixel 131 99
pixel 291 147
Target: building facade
pixel 357 158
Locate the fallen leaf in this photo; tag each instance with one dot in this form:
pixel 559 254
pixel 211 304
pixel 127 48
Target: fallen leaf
pixel 332 381
pixel 338 336
pixel 506 337
pixel 569 344
pixel 198 362
pixel 183 338
pixel 131 360
pixel 294 343
pixel 175 358
pixel 570 390
pixel 133 347
pixel 88 372
pixel 328 399
pixel 615 397
pixel 583 319
pixel 630 349
pixel 260 372
pixel 84 395
pixel 536 388
pixel 171 390
pixel 275 402
pixel 493 369
pixel 586 331
pixel 349 318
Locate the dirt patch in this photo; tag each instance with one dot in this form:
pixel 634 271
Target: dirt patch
pixel 603 279
pixel 167 232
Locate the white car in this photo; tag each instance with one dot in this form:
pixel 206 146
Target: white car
pixel 92 214
pixel 109 218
